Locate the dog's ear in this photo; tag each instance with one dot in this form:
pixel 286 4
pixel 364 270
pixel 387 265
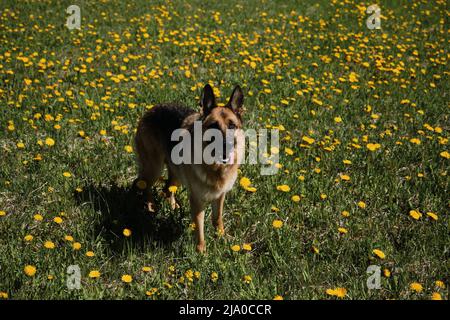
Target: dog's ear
pixel 208 101
pixel 236 100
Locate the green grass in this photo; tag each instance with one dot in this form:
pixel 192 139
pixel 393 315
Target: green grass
pixel 305 53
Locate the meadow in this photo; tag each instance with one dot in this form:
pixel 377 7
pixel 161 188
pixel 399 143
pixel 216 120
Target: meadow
pixel 363 178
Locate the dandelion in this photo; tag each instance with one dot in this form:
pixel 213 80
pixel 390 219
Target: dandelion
pixel 126 232
pixel 90 254
pixel 151 292
pixel 3 295
pixel 342 230
pixel 147 269
pixel 386 273
pixel 127 278
pixel 445 154
pixel 38 217
pixel 380 254
pixel 68 238
pixel 94 274
pixel 247 247
pixel 337 292
pixel 128 149
pixel 432 215
pixel 236 248
pixel 295 198
pixel 277 224
pixel 245 184
pixel 214 276
pixel 173 189
pixel 67 174
pixel 416 215
pixel 278 297
pixel 2 213
pixel 416 287
pixel 57 220
pixel 436 296
pixel 28 238
pixel 247 279
pixel 440 284
pixel 49 245
pixel 345 177
pixel 345 213
pixel 283 188
pixel 29 270
pixel 373 146
pixel 50 142
pixel 362 204
pixel 76 246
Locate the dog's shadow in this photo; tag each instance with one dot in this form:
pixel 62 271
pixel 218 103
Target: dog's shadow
pixel 123 208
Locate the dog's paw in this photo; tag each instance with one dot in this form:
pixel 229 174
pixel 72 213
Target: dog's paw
pixel 201 247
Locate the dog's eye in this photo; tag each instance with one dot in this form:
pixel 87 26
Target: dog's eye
pixel 231 126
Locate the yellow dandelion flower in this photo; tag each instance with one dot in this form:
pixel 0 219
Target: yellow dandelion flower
pixel 362 204
pixel 50 142
pixel 440 284
pixel 49 245
pixel 127 278
pixel 94 274
pixel 373 146
pixel 126 232
pixel 342 230
pixel 247 247
pixel 38 217
pixel 28 238
pixel 432 215
pixel 236 248
pixel 214 276
pixel 2 213
pixel 278 297
pixel 76 246
pixel 67 174
pixel 90 254
pixel 337 292
pixel 57 220
pixel 436 296
pixel 284 188
pixel 277 224
pixel 146 269
pixel 380 254
pixel 445 154
pixel 295 198
pixel 415 214
pixel 29 270
pixel 415 286
pixel 128 149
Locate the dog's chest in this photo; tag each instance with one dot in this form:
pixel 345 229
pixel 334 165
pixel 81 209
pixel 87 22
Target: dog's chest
pixel 212 185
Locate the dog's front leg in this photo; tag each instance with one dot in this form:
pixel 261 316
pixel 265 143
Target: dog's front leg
pixel 198 217
pixel 217 209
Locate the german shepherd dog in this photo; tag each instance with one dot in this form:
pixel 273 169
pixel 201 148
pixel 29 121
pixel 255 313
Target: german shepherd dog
pixel 206 183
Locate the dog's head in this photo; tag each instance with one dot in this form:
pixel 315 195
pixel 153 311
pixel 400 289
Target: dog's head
pixel 226 121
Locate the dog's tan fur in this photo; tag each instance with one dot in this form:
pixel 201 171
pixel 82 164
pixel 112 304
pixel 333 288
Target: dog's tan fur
pixel 206 183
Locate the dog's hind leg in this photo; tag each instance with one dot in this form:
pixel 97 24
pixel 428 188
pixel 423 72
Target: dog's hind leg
pixel 151 162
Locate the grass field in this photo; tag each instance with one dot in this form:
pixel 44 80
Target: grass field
pixel 364 155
